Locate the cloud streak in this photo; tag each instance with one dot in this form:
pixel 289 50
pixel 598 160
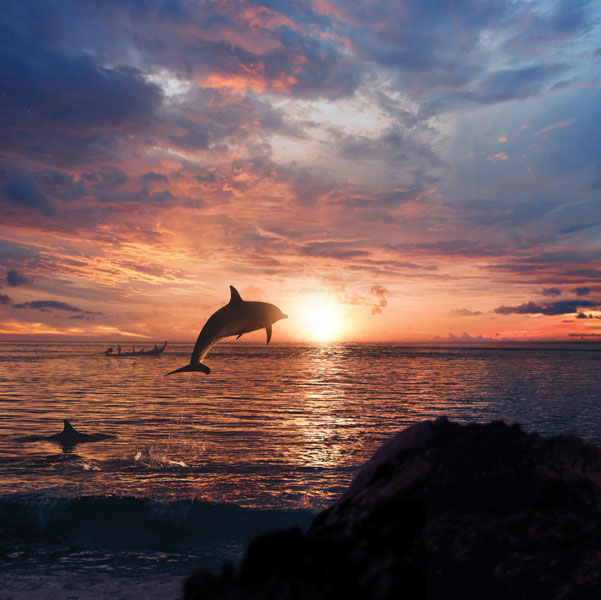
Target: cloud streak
pixel 51 305
pixel 561 307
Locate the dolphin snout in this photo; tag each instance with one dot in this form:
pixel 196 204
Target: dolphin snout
pixel 284 316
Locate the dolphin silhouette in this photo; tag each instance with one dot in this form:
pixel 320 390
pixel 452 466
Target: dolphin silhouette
pixel 68 438
pixel 237 317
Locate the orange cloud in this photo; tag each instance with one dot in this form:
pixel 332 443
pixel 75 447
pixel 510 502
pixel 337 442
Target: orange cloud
pixel 499 156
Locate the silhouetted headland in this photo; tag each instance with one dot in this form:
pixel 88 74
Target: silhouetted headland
pixel 441 511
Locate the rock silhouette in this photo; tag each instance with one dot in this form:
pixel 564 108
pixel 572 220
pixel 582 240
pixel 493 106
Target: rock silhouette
pixel 441 511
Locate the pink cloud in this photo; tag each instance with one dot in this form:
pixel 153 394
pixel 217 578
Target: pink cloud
pixel 558 125
pixel 499 156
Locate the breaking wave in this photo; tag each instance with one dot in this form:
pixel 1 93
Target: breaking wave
pixel 129 523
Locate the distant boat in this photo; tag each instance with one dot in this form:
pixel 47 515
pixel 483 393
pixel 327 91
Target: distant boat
pixel 156 351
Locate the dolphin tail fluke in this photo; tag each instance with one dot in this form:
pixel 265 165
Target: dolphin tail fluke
pixel 189 368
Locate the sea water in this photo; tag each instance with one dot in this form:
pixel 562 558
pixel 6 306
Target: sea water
pixel 199 464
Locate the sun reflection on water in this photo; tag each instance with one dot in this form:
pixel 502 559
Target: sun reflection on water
pixel 277 425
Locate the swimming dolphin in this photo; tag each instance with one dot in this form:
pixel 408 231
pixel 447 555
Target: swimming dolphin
pixel 235 318
pixel 69 437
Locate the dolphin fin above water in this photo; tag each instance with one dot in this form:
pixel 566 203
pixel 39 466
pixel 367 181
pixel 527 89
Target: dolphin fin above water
pixel 68 438
pixel 68 432
pixel 235 297
pixel 237 317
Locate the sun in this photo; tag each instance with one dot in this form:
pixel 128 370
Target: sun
pixel 322 321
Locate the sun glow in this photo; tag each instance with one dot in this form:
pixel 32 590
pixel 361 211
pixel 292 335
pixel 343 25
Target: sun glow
pixel 322 321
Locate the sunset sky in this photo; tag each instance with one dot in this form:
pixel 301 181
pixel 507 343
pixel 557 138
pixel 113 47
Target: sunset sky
pixel 383 170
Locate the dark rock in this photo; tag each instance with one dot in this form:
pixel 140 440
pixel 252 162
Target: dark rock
pixel 441 511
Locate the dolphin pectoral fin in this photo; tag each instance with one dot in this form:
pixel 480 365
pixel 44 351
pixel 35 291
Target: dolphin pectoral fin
pixel 239 336
pixel 235 296
pixel 268 330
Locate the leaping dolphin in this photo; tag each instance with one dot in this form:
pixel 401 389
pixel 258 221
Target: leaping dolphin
pixel 235 318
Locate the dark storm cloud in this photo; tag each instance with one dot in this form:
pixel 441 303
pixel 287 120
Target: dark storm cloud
pixel 18 252
pixel 14 278
pixel 107 177
pixel 151 177
pixel 207 177
pixel 582 291
pixel 551 292
pixel 66 108
pixel 50 305
pixel 562 307
pixel 60 185
pixel 23 191
pixel 198 136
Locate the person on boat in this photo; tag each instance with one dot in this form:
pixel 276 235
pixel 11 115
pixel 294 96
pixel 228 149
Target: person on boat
pixel 109 351
pixel 156 348
pixel 119 349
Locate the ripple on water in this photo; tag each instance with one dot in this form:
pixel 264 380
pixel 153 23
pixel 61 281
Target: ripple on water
pixel 271 426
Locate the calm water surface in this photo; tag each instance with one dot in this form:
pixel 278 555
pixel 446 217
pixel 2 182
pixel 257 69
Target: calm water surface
pixel 273 434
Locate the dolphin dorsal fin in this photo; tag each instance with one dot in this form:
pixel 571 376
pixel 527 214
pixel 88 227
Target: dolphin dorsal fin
pixel 235 297
pixel 68 428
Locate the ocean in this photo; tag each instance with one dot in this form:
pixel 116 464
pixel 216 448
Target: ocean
pixel 199 464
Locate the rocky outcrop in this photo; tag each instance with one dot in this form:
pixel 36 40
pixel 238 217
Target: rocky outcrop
pixel 441 511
